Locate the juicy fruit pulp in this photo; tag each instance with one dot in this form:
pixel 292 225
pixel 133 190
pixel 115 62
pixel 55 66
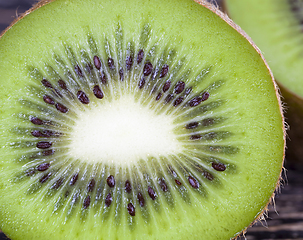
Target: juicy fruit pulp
pixel 118 125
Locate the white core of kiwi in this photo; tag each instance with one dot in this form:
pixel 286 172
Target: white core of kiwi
pixel 106 132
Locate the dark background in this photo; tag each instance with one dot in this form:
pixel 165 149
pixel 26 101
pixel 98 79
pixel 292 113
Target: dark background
pixel 285 221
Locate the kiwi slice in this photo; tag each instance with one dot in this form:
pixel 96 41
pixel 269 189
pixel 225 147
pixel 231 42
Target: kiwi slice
pixel 134 119
pixel 276 27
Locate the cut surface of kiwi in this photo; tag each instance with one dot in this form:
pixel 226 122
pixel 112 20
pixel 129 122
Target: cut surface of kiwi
pixel 134 119
pixel 276 27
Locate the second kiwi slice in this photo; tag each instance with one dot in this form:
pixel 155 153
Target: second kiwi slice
pixel 134 119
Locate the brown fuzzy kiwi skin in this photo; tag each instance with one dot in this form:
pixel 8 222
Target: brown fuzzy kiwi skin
pixel 297 101
pixel 294 118
pixel 34 7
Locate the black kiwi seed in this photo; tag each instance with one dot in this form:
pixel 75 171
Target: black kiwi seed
pixel 166 86
pixel 218 166
pixel 103 78
pixel 44 145
pixel 172 171
pixel 193 182
pixel 111 63
pixel 178 101
pixel 158 96
pixel 195 137
pixel 141 199
pixel 74 179
pixel 86 202
pixel 179 87
pixel 151 193
pixel 61 108
pixel 48 152
pixel 192 125
pixel 43 167
pixel 37 133
pixel 45 178
pixel 46 83
pixel 168 98
pixel 148 68
pixel 141 83
pixel 88 67
pixel 205 96
pixel 97 62
pixel 195 101
pixel 163 185
pixel 208 175
pixel 91 185
pixel 178 182
pixel 47 133
pixel 78 71
pixel 98 92
pixel 164 71
pixel 294 9
pixel 140 56
pixel 111 181
pixel 62 84
pixel 131 209
pixel 48 99
pixel 57 184
pixel 82 97
pixel 129 62
pixel 108 200
pixel 128 186
pixel 36 121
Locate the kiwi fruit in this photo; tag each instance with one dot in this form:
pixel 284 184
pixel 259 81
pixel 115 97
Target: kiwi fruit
pixel 132 119
pixel 276 27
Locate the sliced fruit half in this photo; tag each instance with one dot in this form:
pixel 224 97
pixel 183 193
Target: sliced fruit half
pixel 134 120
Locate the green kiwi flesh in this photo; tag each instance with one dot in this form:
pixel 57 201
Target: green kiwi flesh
pixel 276 28
pixel 134 119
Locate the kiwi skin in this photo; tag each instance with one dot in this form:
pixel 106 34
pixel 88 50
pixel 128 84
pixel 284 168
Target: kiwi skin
pixel 231 23
pixel 35 6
